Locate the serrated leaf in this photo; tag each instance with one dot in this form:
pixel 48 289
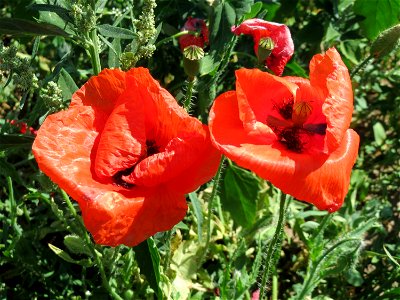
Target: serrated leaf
pixel 198 213
pixel 67 84
pixel 115 32
pixel 15 26
pixel 379 15
pixel 239 194
pixel 65 256
pixel 76 245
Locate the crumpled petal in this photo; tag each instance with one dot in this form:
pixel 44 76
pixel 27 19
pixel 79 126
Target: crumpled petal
pixel 318 171
pixel 329 73
pixel 79 151
pixel 280 35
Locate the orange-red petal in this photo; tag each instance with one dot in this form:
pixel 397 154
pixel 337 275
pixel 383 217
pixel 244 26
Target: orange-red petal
pixel 329 73
pixel 320 179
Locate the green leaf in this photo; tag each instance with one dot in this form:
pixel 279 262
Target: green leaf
pixel 391 257
pixel 60 11
pixel 255 9
pixel 379 15
pixel 222 20
pixel 8 141
pixel 65 256
pixel 148 259
pixel 198 213
pixel 76 245
pixel 7 169
pixel 67 84
pixel 115 32
pixel 114 54
pixel 379 133
pixel 25 27
pixel 239 194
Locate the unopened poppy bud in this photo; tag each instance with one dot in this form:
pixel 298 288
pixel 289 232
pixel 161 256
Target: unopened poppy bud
pixel 192 56
pixel 301 111
pixel 386 42
pixel 265 47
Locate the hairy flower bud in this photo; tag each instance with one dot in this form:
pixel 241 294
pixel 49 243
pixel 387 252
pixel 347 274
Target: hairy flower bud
pixel 386 41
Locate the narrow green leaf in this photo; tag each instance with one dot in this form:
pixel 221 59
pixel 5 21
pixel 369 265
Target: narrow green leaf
pixel 115 32
pixel 391 257
pixel 60 11
pixel 35 47
pixel 15 26
pixel 239 194
pixel 67 84
pixel 8 141
pixel 198 213
pixel 65 256
pixel 148 259
pixel 7 169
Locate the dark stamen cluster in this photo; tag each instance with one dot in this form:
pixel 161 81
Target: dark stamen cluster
pixel 290 137
pixel 151 149
pixel 286 109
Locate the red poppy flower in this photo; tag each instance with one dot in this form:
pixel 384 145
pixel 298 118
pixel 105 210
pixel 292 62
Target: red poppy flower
pixel 128 153
pixel 280 35
pixel 199 39
pixel 292 131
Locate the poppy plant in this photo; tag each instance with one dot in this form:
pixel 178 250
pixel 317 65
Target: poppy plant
pixel 128 153
pixel 283 47
pixel 292 131
pixel 198 38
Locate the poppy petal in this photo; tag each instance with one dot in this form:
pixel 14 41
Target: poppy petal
pixel 329 73
pixel 123 139
pixel 319 179
pixel 114 215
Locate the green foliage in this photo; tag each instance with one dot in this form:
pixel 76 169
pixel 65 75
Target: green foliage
pixel 44 251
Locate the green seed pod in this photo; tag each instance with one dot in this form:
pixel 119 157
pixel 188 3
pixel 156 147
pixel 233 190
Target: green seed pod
pixel 386 42
pixel 192 56
pixel 265 47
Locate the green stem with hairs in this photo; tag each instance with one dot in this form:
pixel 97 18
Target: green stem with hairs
pixel 273 246
pixel 90 245
pixel 315 268
pixel 189 93
pixel 360 66
pixel 211 201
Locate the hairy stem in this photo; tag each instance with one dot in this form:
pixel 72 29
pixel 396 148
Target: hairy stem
pixel 189 93
pixel 273 246
pixel 211 201
pixel 360 66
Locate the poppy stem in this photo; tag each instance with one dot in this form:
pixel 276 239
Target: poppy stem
pixel 91 247
pixel 189 93
pixel 94 52
pixel 360 66
pixel 217 179
pixel 273 250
